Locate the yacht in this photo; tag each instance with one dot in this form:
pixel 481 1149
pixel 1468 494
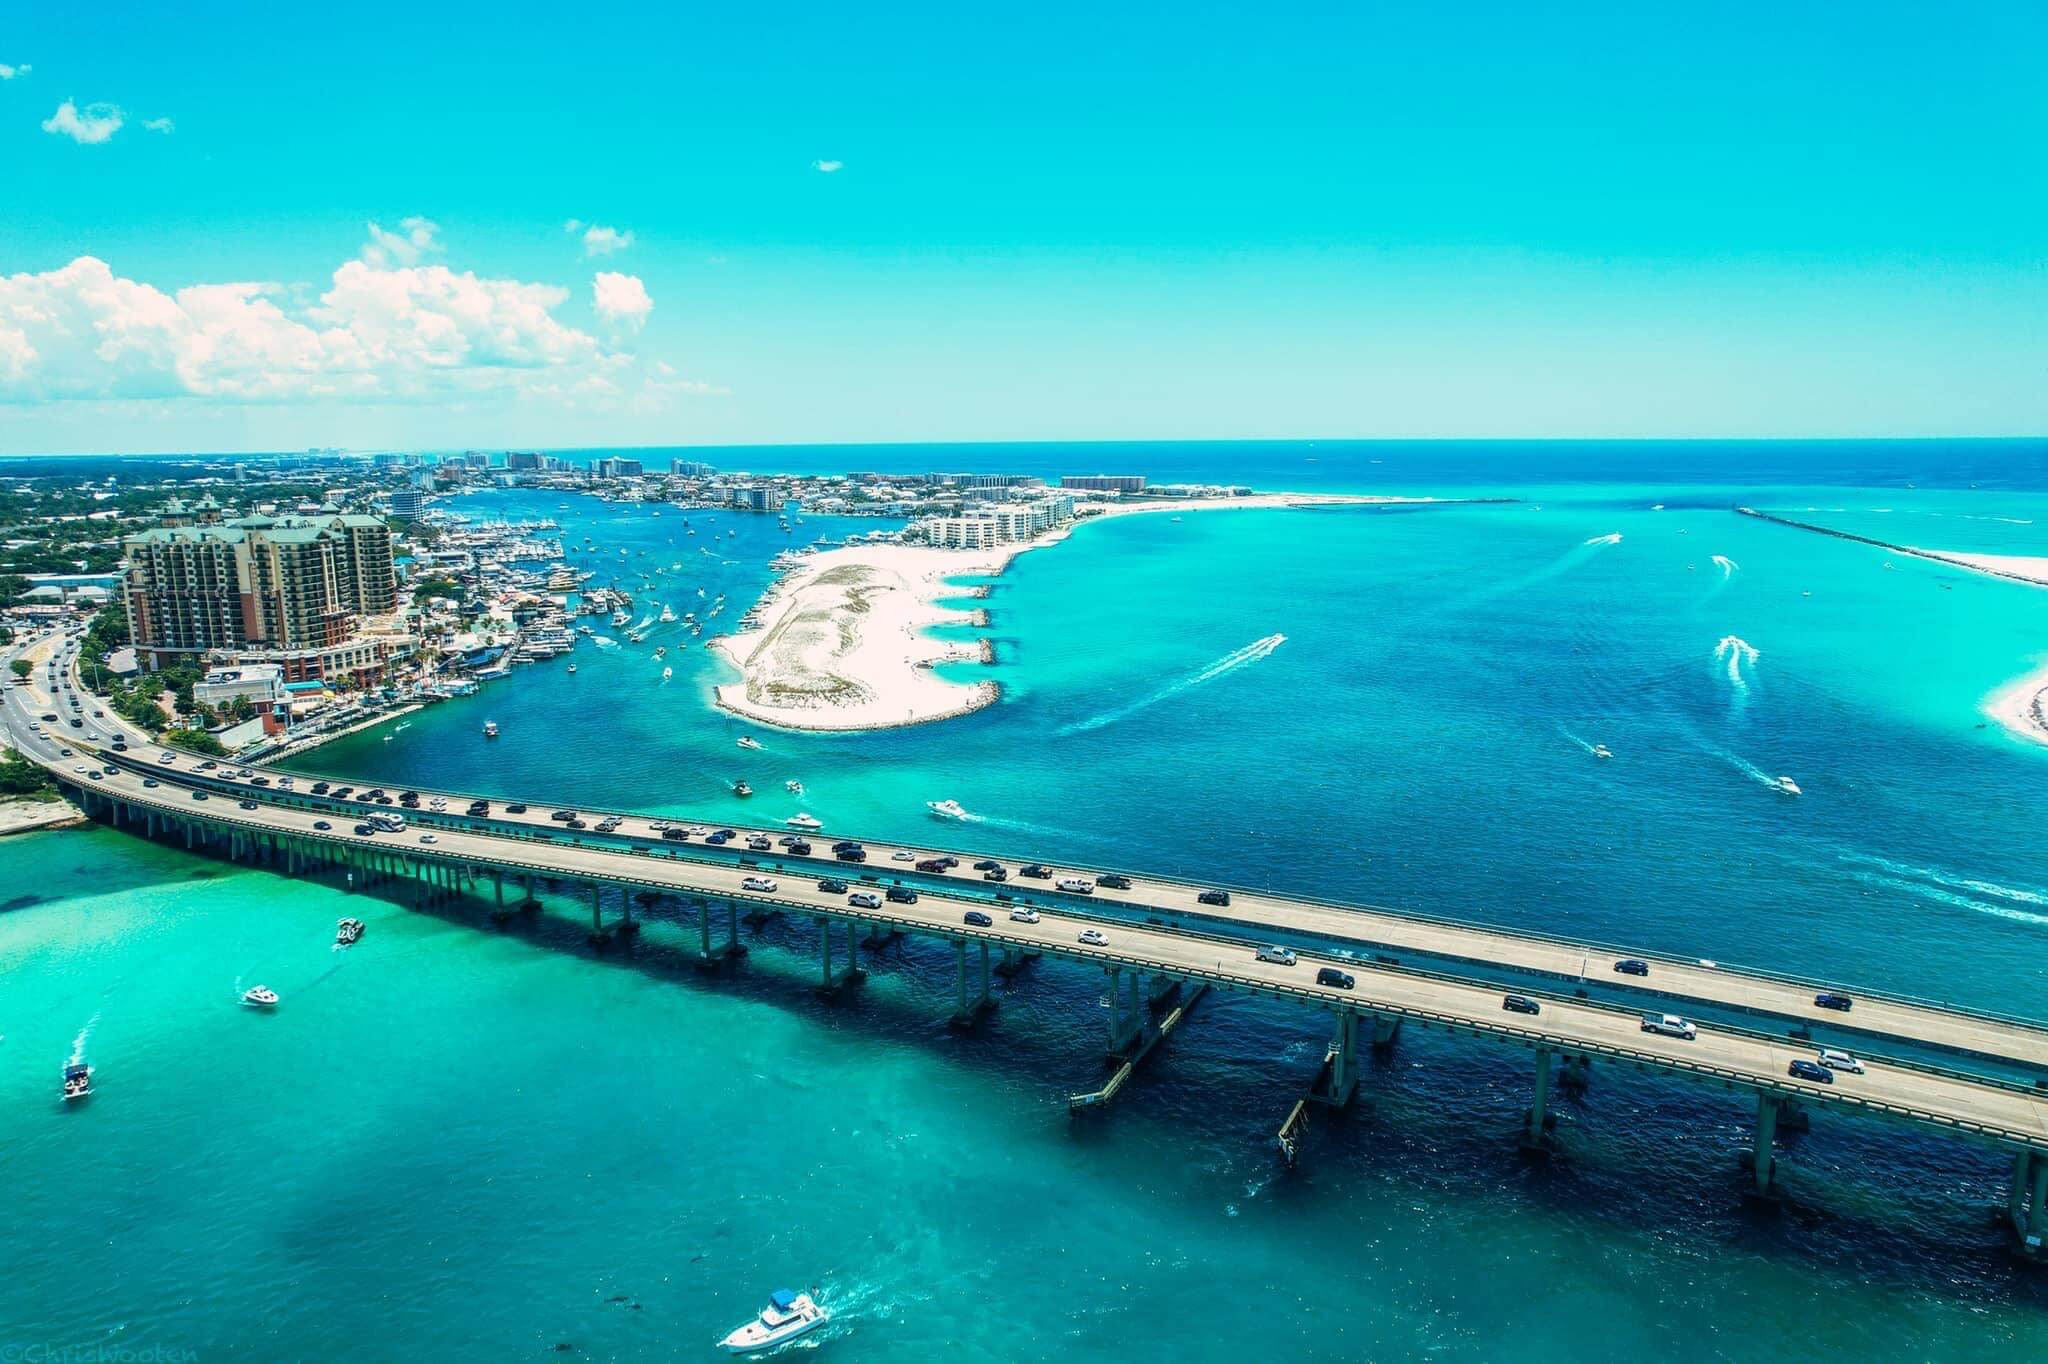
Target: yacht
pixel 1787 785
pixel 740 788
pixel 259 997
pixel 78 1084
pixel 946 809
pixel 668 615
pixel 490 729
pixel 621 618
pixel 787 1316
pixel 347 932
pixel 1602 751
pixel 748 741
pixel 801 820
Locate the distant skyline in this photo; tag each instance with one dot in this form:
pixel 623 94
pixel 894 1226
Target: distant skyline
pixel 247 230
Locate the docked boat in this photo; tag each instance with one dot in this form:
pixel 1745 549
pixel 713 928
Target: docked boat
pixel 740 788
pixel 348 932
pixel 1602 751
pixel 1786 785
pixel 259 997
pixel 800 820
pixel 748 741
pixel 490 729
pixel 946 809
pixel 787 1316
pixel 78 1083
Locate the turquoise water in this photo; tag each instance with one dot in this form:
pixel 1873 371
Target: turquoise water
pixel 459 1139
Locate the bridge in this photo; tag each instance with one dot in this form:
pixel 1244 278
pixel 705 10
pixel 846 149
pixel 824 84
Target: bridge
pixel 1977 1077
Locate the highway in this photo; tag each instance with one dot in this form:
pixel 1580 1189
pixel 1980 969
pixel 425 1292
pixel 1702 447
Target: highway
pixel 2009 1116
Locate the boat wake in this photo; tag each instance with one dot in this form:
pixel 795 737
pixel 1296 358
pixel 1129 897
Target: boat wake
pixel 1592 750
pixel 1229 663
pixel 1736 656
pixel 604 641
pixel 1947 888
pixel 1613 539
pixel 1564 563
pixel 1728 566
pixel 78 1042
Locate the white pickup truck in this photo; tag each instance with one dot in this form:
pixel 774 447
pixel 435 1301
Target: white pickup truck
pixel 1670 1025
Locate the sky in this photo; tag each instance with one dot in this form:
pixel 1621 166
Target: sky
pixel 240 227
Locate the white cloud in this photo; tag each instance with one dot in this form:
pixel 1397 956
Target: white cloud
pixel 621 299
pixel 89 126
pixel 8 73
pixel 827 166
pixel 605 241
pixel 375 334
pixel 159 125
pixel 418 237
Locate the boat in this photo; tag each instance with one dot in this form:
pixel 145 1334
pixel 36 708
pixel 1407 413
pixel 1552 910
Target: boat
pixel 572 667
pixel 667 615
pixel 661 651
pixel 348 932
pixel 78 1082
pixel 1602 751
pixel 740 788
pixel 787 1316
pixel 259 997
pixel 490 729
pixel 946 809
pixel 800 820
pixel 793 786
pixel 748 741
pixel 1787 785
pixel 667 673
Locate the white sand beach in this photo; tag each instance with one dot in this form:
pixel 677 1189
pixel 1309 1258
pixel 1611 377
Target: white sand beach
pixel 842 645
pixel 2027 568
pixel 2022 706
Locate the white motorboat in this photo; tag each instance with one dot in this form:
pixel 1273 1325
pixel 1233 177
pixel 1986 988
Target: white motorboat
pixel 667 673
pixel 946 809
pixel 1602 751
pixel 259 997
pixel 793 786
pixel 787 1316
pixel 804 821
pixel 1786 785
pixel 748 741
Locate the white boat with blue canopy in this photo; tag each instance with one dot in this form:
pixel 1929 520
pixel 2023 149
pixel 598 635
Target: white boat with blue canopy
pixel 787 1316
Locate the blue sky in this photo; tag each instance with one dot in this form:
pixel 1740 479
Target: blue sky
pixel 1045 222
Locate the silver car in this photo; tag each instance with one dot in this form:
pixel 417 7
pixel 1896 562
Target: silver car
pixel 1841 1060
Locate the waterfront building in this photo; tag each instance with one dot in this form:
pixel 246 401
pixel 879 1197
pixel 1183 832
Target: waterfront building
pixel 690 468
pixel 283 583
pixel 984 525
pixel 516 460
pixel 406 502
pixel 756 497
pixel 616 466
pixel 262 683
pixel 1103 483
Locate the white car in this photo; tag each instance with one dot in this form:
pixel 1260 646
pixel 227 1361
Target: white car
pixel 1024 916
pixel 429 838
pixel 903 855
pixel 864 899
pixel 1093 937
pixel 1670 1025
pixel 760 883
pixel 1076 885
pixel 1841 1060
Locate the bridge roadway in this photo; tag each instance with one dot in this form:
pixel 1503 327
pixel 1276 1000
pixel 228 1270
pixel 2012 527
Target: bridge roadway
pixel 2007 1116
pixel 2018 1043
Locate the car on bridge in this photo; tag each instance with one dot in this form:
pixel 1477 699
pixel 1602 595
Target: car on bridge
pixel 1520 1004
pixel 853 855
pixel 1093 937
pixel 199 795
pixel 800 849
pixel 515 808
pixel 1828 999
pixel 1024 915
pixel 430 838
pixel 995 874
pixel 151 782
pixel 1075 885
pixel 674 835
pixel 365 830
pixel 1632 966
pixel 1670 1025
pixel 985 864
pixel 1037 871
pixel 765 885
pixel 321 826
pixel 1214 897
pixel 1113 881
pixel 1279 956
pixel 832 885
pixel 864 899
pixel 1803 1069
pixel 902 895
pixel 1335 979
pixel 977 919
pixel 247 804
pixel 1841 1060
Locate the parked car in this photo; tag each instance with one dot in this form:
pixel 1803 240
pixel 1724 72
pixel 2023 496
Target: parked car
pixel 1279 956
pixel 1841 1060
pixel 977 918
pixel 1520 1004
pixel 864 899
pixel 1632 966
pixel 1803 1069
pixel 1214 897
pixel 1093 937
pixel 1113 881
pixel 1331 976
pixel 1828 999
pixel 902 895
pixel 1024 915
pixel 1670 1025
pixel 832 885
pixel 760 883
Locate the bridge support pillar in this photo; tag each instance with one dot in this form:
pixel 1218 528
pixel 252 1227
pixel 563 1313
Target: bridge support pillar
pixel 1014 959
pixel 1126 1021
pixel 1575 1074
pixel 2027 1205
pixel 967 1010
pixel 1763 1160
pixel 1794 1116
pixel 597 933
pixel 1536 1128
pixel 1384 1031
pixel 829 981
pixel 1339 1078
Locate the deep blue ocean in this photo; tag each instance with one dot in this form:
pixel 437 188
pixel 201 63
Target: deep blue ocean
pixel 495 1144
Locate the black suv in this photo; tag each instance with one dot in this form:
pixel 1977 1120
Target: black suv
pixel 1035 871
pixel 1828 999
pixel 1113 881
pixel 1632 966
pixel 1330 975
pixel 832 885
pixel 1214 897
pixel 902 895
pixel 1520 1004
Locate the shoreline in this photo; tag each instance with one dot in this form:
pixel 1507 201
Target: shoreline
pixel 844 645
pixel 2021 706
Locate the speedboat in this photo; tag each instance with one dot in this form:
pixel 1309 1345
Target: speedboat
pixel 259 997
pixel 490 729
pixel 740 788
pixel 1602 751
pixel 946 809
pixel 572 667
pixel 347 932
pixel 77 1081
pixel 667 673
pixel 748 741
pixel 793 786
pixel 787 1316
pixel 803 821
pixel 1787 785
